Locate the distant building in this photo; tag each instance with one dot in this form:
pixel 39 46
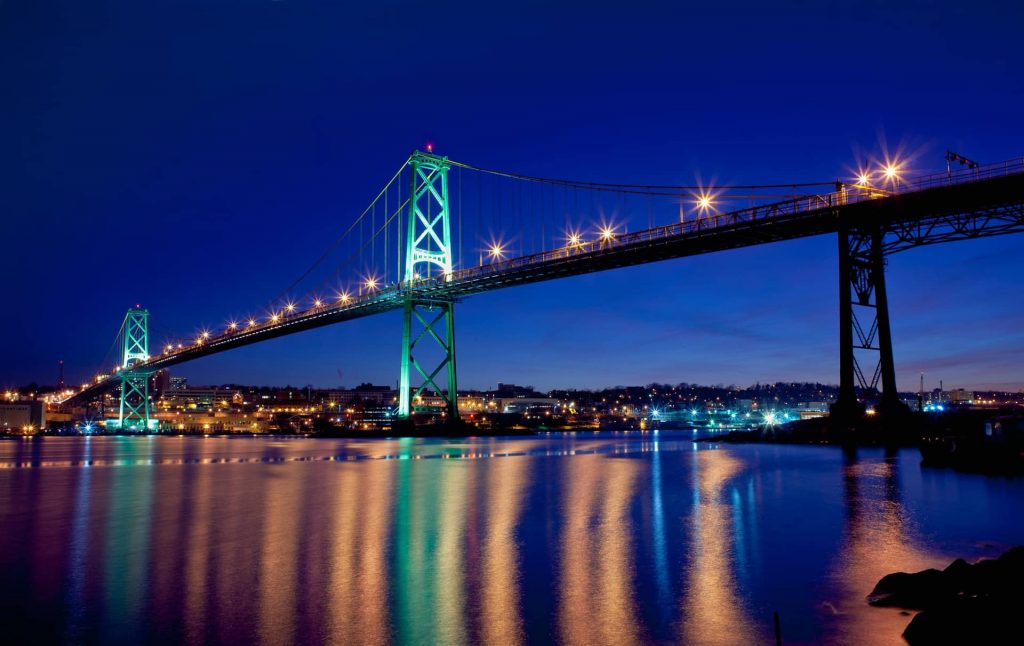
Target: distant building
pixel 376 417
pixel 364 393
pixel 25 416
pixel 200 397
pixel 512 390
pixel 179 383
pixel 160 381
pixel 527 404
pixel 820 407
pixel 961 396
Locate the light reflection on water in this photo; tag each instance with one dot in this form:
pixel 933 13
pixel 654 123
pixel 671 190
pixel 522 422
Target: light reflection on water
pixel 613 538
pixel 713 609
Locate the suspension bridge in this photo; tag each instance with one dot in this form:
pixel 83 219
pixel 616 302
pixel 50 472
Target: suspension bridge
pixel 406 252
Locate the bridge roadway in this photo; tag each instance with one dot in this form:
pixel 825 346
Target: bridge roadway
pixel 969 204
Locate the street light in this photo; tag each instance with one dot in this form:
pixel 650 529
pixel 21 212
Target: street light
pixel 891 172
pixel 705 202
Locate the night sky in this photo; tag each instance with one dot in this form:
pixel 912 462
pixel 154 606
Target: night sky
pixel 194 157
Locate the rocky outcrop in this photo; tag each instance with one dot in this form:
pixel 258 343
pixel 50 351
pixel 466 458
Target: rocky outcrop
pixel 961 604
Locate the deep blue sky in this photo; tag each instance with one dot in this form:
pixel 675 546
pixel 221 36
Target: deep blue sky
pixel 195 156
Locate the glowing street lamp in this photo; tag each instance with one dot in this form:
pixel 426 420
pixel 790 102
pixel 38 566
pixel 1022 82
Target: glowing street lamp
pixel 607 233
pixel 317 303
pixel 496 251
pixel 232 326
pixel 891 172
pixel 290 307
pixel 344 297
pixel 275 317
pixel 705 202
pixel 251 323
pixel 371 283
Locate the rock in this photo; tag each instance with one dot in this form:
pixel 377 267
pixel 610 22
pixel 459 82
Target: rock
pixel 915 591
pixel 966 620
pixel 964 603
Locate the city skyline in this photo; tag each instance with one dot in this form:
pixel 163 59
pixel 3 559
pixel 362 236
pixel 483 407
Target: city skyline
pixel 226 205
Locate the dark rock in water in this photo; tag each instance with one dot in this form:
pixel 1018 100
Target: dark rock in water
pixel 978 604
pixel 967 620
pixel 916 591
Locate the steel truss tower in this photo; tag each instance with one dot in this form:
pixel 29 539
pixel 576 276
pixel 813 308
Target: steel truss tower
pixel 428 254
pixel 862 290
pixel 134 410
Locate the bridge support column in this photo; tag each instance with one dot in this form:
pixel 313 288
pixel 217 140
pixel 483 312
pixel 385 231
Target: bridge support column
pixel 862 290
pixel 846 407
pixel 428 259
pixel 134 411
pixel 890 401
pixel 436 322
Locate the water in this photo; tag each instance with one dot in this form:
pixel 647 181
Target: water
pixel 588 539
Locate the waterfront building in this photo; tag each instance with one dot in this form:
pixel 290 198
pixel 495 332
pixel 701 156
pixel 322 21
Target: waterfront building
pixel 24 416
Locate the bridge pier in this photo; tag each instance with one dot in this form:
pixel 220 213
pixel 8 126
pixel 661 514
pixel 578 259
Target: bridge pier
pixel 862 289
pixel 431 316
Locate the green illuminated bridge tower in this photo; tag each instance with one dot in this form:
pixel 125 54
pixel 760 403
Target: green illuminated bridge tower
pixel 134 411
pixel 428 321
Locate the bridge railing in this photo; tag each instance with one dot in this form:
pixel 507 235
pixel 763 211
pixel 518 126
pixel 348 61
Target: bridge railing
pixel 966 175
pixel 692 227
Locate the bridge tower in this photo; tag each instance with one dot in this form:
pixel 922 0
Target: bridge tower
pixel 862 289
pixel 428 323
pixel 134 411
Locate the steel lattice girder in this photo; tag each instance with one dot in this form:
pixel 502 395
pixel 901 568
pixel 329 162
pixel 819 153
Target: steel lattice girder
pixel 984 223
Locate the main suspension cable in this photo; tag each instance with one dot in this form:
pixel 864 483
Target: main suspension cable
pixel 642 189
